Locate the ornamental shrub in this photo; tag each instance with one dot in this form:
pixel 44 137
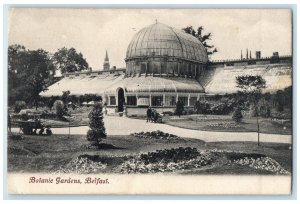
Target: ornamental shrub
pixel 202 107
pixel 97 130
pixel 237 115
pixel 179 108
pixel 59 108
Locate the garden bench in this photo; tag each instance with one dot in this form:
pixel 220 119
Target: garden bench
pixel 31 127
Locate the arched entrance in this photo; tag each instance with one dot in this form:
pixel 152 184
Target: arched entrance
pixel 121 100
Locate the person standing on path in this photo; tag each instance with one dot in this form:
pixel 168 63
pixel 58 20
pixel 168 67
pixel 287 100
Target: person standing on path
pixel 149 113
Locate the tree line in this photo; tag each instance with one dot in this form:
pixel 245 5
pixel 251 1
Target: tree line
pixel 32 71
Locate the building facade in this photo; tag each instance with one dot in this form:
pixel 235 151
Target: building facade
pixel 165 65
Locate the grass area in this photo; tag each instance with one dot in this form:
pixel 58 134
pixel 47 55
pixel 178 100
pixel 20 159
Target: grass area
pixel 47 154
pixel 78 117
pixel 224 123
pixel 73 121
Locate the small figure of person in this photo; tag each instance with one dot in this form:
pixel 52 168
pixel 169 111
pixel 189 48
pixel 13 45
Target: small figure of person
pixel 124 109
pixel 179 108
pixel 48 131
pixel 149 113
pixel 41 131
pixel 105 109
pixel 37 123
pixel 153 115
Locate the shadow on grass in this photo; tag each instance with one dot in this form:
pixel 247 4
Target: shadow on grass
pixel 102 146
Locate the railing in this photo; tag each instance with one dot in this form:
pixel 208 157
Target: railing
pixel 94 72
pixel 246 60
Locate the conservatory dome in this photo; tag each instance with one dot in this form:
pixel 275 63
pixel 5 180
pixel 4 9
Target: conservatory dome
pixel 162 40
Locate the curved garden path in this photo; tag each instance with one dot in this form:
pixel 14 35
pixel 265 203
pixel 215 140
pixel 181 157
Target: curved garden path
pixel 124 126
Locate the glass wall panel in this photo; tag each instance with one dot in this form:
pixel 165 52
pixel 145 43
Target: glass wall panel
pixel 183 99
pixel 143 101
pixel 157 100
pixel 112 100
pixel 193 101
pixel 143 67
pixel 170 101
pixel 131 100
pixel 163 67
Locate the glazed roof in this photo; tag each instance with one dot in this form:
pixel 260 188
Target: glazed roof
pixel 152 84
pixel 223 81
pixel 80 85
pixel 161 40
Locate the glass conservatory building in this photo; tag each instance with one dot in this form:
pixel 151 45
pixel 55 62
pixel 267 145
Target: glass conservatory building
pixel 162 67
pixel 165 65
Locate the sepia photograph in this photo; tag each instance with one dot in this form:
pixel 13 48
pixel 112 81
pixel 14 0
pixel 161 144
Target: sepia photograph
pixel 149 101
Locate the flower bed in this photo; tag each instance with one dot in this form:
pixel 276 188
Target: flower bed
pixel 263 163
pixel 167 161
pixel 241 155
pixel 170 155
pixel 253 160
pixel 82 165
pixel 172 160
pixel 226 125
pixel 156 135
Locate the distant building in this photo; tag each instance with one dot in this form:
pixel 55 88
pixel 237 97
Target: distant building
pixel 165 65
pixel 106 65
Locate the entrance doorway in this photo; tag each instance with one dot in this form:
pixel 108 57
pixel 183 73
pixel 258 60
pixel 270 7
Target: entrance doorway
pixel 121 100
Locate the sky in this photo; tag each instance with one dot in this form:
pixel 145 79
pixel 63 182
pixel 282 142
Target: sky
pixel 92 31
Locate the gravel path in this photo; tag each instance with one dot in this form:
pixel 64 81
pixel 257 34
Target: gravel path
pixel 124 126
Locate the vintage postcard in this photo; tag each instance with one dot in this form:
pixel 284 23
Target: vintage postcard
pixel 149 101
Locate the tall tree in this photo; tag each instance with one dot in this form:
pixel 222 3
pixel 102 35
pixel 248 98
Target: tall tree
pixel 29 73
pixel 68 60
pixel 202 37
pixel 252 87
pixel 17 61
pixel 40 71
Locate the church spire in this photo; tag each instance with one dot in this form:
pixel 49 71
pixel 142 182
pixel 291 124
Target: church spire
pixel 106 57
pixel 106 65
pixel 241 54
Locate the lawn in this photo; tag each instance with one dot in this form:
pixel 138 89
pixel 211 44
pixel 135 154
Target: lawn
pixel 48 154
pixel 78 117
pixel 224 123
pixel 73 121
